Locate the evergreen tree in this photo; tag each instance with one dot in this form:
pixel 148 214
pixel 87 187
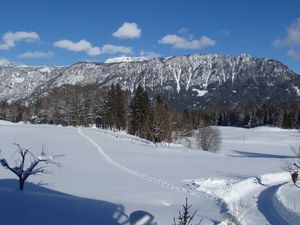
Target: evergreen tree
pixel 161 121
pixel 120 117
pixel 109 108
pixel 115 108
pixel 140 115
pixel 287 121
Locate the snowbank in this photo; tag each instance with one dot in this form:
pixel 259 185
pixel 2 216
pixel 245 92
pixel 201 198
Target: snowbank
pixel 4 122
pixel 236 195
pixel 286 203
pixel 232 190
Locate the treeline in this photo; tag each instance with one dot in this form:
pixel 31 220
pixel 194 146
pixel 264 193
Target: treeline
pixel 252 115
pixel 111 108
pixel 138 114
pixel 67 105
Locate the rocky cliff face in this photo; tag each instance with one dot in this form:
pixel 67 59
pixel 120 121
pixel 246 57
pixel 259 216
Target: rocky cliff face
pixel 186 81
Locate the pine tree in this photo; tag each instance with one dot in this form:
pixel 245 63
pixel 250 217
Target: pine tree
pixel 120 117
pixel 287 121
pixel 141 115
pixel 161 121
pixel 115 108
pixel 109 108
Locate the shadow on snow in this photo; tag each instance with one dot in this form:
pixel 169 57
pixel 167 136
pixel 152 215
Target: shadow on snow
pixel 41 206
pixel 259 155
pixel 265 206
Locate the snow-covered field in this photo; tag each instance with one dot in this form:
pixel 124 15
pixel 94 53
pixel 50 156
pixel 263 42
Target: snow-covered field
pixel 106 176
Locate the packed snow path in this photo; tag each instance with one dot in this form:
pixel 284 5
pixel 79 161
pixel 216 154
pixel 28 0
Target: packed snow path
pixel 141 175
pixel 266 207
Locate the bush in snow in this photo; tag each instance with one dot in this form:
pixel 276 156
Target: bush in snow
pixel 237 213
pixel 209 138
pixel 35 164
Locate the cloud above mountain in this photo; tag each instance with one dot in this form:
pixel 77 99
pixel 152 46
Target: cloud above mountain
pixel 292 37
pixel 113 49
pixel 291 40
pixel 10 39
pixel 36 55
pixel 181 42
pixel 80 46
pixel 128 31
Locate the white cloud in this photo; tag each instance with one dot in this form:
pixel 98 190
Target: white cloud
pixel 113 49
pixel 128 31
pixel 85 46
pixel 292 38
pixel 10 39
pixel 149 55
pixel 80 46
pixel 181 42
pixel 4 62
pixel 292 53
pixel 94 51
pixel 36 55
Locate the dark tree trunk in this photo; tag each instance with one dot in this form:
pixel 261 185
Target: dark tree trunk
pixel 21 184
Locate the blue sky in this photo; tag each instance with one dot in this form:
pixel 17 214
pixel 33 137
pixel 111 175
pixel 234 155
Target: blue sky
pixel 35 32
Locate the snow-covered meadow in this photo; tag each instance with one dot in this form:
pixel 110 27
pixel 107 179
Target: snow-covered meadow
pixel 107 175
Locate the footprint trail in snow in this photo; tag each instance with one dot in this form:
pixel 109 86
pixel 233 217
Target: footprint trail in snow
pixel 143 176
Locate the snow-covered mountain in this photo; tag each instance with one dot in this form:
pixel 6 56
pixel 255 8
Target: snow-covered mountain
pixel 185 81
pixel 125 59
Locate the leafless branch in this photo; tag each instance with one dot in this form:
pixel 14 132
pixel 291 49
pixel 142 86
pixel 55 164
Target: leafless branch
pixel 35 166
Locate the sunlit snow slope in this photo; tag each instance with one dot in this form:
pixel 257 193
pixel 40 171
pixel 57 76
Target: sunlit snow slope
pixel 108 175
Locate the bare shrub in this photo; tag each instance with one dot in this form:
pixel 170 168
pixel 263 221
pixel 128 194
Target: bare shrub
pixel 237 213
pixel 209 139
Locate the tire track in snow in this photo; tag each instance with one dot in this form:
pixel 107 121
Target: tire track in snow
pixel 143 176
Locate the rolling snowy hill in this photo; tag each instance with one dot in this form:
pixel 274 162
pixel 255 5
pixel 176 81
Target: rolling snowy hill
pixel 108 175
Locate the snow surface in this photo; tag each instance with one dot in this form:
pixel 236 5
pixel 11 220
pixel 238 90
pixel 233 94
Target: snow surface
pixel 19 79
pixel 286 202
pixel 108 176
pixel 297 90
pixel 46 69
pixel 125 59
pixel 200 93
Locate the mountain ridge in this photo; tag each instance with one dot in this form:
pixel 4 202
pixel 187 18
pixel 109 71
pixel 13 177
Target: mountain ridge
pixel 198 80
